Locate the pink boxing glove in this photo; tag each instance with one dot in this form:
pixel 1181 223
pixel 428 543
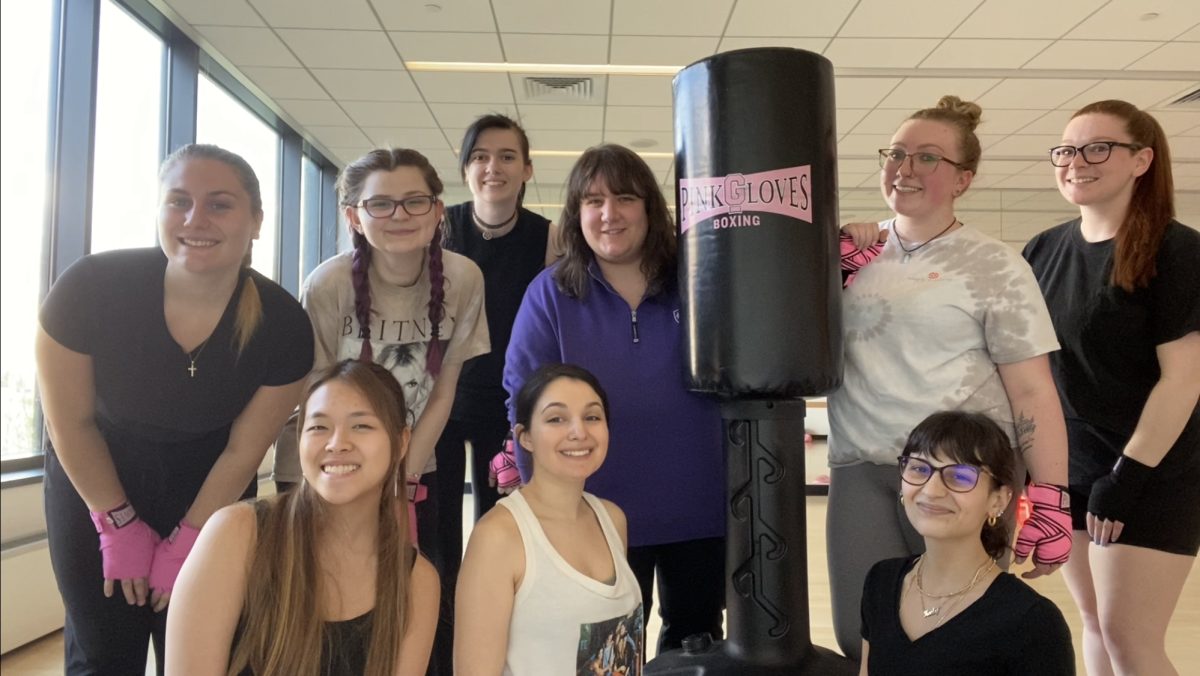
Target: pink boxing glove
pixel 502 471
pixel 1047 531
pixel 169 557
pixel 126 543
pixel 853 258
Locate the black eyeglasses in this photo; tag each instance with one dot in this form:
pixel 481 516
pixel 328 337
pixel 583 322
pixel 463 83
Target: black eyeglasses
pixel 1096 152
pixel 923 163
pixel 385 207
pixel 959 478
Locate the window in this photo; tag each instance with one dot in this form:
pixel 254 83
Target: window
pixel 222 121
pixel 26 44
pixel 128 117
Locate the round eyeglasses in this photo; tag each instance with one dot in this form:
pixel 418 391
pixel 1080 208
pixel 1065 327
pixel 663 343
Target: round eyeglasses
pixel 923 163
pixel 1096 152
pixel 385 207
pixel 960 478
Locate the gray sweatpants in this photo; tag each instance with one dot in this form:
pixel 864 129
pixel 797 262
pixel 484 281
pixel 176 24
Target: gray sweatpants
pixel 865 523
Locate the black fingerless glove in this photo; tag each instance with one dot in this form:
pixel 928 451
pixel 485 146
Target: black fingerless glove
pixel 1114 494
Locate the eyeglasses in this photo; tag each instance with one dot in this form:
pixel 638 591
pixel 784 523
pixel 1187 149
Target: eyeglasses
pixel 1096 152
pixel 385 207
pixel 959 478
pixel 923 163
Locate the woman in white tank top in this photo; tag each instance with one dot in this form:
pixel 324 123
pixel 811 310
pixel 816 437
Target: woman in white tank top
pixel 545 587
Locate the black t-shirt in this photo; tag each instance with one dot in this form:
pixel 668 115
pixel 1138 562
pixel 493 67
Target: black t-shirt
pixel 1011 629
pixel 1108 364
pixel 110 306
pixel 509 264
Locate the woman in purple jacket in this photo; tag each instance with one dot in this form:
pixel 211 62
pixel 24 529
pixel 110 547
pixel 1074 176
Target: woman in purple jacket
pixel 611 305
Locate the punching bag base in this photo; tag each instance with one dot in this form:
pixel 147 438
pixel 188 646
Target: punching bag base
pixel 716 662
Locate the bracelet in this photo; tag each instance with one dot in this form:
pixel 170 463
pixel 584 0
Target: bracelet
pixel 1130 471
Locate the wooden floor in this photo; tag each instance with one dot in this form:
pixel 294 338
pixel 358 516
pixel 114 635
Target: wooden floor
pixel 44 658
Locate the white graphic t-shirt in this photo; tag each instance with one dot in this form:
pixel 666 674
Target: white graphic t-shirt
pixel 925 334
pixel 400 328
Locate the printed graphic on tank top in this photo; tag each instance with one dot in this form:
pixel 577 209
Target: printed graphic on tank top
pixel 612 647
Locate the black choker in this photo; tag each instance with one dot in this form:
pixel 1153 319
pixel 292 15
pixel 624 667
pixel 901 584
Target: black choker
pixel 909 252
pixel 488 229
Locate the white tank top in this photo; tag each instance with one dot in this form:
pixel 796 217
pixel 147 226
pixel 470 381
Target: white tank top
pixel 564 622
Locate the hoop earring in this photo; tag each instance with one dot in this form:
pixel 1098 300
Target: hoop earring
pixel 991 522
pixel 902 498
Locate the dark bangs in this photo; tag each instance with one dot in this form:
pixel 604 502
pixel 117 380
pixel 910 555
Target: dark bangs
pixel 962 437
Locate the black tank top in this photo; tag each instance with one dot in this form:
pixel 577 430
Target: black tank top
pixel 509 264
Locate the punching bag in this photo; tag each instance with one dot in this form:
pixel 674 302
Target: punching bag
pixel 760 281
pixel 756 164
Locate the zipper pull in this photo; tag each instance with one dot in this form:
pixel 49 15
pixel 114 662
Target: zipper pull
pixel 635 334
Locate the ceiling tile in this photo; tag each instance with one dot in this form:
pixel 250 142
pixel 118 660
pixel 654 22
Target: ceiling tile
pixel 863 92
pixel 285 83
pixel 563 140
pixel 656 118
pixel 342 48
pixel 880 122
pixel 788 17
pixel 351 14
pixel 561 117
pixel 848 117
pixel 814 45
pixel 1193 131
pixel 1029 145
pixel 552 164
pixel 1141 93
pixel 1097 54
pixel 886 18
pixel 484 88
pixel 647 141
pixel 878 52
pixel 426 138
pixel 389 114
pixel 922 92
pixel 988 140
pixel 1122 20
pixel 984 53
pixel 342 137
pixel 1186 147
pixel 368 85
pixel 248 46
pixel 550 16
pixel 867 145
pixel 429 46
pixel 859 166
pixel 1177 122
pixel 670 17
pixel 456 117
pixel 1001 121
pixel 1192 35
pixel 348 155
pixel 461 15
pixel 216 12
pixel 308 112
pixel 1025 181
pixel 1052 122
pixel 640 90
pixel 1033 94
pixel 533 48
pixel 660 51
pixel 1177 56
pixel 1011 18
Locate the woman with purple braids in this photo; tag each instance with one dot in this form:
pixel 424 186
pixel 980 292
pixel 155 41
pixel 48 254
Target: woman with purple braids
pixel 399 300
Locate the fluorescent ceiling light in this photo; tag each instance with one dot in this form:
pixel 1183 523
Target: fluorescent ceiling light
pixel 552 68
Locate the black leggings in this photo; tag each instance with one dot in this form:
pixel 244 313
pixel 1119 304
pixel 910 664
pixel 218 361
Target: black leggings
pixel 691 587
pixel 107 635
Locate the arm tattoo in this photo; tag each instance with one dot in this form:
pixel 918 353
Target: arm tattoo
pixel 1025 428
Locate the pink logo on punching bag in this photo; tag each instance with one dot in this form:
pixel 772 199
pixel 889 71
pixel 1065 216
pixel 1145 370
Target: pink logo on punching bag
pixel 736 200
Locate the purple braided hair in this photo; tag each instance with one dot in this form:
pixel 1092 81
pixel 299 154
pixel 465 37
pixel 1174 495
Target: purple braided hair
pixel 362 292
pixel 437 304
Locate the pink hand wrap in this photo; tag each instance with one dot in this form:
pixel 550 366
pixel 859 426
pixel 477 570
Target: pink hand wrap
pixel 853 258
pixel 503 467
pixel 126 552
pixel 1047 531
pixel 169 557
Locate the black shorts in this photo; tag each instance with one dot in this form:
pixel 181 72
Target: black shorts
pixel 1167 515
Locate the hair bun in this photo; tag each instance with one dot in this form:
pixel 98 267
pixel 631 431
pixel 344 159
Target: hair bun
pixel 969 111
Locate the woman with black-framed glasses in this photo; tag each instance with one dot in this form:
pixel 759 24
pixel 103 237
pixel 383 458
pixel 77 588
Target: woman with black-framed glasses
pixel 401 301
pixel 945 317
pixel 953 610
pixel 1122 284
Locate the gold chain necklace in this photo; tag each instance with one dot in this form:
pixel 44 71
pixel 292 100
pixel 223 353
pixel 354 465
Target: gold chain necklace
pixel 927 612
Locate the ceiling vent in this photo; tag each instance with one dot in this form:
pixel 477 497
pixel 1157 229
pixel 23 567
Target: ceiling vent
pixel 558 88
pixel 1189 100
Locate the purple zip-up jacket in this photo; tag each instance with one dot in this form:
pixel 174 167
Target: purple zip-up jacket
pixel 665 464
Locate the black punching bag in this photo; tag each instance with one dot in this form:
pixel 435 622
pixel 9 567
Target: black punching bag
pixel 756 164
